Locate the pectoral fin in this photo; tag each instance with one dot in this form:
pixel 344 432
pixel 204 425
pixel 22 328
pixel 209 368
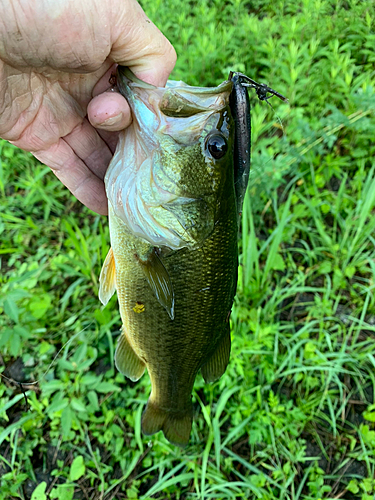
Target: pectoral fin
pixel 126 360
pixel 107 278
pixel 160 281
pixel 217 364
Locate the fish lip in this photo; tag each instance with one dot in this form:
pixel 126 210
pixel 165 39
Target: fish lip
pixel 125 73
pixel 125 78
pixel 227 85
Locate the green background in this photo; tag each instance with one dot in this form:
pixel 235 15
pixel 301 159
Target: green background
pixel 294 416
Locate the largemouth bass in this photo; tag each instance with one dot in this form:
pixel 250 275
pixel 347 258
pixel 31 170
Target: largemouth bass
pixel 175 188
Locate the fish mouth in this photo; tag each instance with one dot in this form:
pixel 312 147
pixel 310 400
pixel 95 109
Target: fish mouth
pixel 180 111
pixel 145 184
pixel 125 74
pixel 176 99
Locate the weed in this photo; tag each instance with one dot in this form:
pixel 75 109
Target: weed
pixel 293 416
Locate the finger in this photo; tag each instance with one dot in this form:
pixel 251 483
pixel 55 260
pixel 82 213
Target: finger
pixel 105 82
pixel 110 138
pixel 75 175
pixel 141 46
pixel 90 148
pixel 109 111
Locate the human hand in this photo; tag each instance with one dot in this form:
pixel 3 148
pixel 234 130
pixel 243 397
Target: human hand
pixel 56 58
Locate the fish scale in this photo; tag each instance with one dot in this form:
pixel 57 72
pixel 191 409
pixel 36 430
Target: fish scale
pixel 175 299
pixel 203 299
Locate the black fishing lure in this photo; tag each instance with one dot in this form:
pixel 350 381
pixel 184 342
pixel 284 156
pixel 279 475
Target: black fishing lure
pixel 240 108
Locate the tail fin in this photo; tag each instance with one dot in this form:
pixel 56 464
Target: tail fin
pixel 176 425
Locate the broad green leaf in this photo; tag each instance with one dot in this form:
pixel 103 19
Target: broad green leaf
pixel 11 309
pixel 44 347
pixel 39 492
pixel 15 344
pixel 62 492
pixel 349 271
pixel 77 469
pixel 80 354
pixel 89 379
pixel 353 486
pixel 66 421
pixel 277 263
pixel 77 405
pixel 52 386
pixel 67 365
pixel 325 267
pixel 5 335
pixel 369 415
pixel 40 305
pixel 58 403
pixel 93 399
pixel 106 387
pixel 22 331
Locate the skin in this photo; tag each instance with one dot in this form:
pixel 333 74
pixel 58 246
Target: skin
pixel 56 58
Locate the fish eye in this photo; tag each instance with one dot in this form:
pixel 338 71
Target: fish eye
pixel 217 146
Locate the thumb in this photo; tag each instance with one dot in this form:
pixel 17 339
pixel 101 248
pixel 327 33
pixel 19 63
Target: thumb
pixel 140 45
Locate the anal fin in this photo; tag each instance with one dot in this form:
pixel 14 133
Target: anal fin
pixel 107 278
pixel 126 360
pixel 217 364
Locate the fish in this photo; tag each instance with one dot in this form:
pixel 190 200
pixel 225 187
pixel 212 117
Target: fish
pixel 175 190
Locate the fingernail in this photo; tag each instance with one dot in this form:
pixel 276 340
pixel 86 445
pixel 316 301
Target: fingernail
pixel 114 120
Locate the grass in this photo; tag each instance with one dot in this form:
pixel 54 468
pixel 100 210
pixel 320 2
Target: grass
pixel 293 418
